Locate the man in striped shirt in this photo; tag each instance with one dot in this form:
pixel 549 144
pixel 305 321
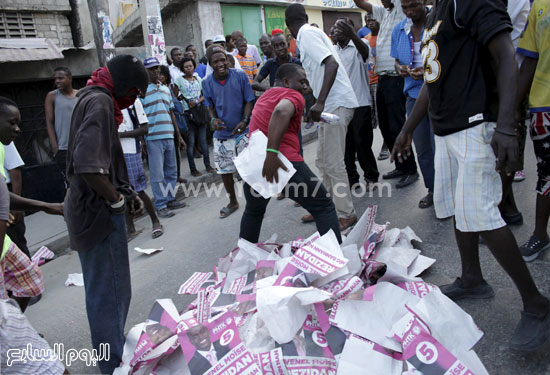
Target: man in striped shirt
pixel 247 62
pixel 161 150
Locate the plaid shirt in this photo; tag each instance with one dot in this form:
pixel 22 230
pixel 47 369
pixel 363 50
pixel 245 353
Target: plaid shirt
pixel 19 275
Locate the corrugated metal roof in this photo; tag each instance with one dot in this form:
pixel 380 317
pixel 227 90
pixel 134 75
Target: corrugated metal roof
pixel 28 49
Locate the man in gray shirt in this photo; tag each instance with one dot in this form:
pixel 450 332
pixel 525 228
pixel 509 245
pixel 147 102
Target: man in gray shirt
pixel 59 107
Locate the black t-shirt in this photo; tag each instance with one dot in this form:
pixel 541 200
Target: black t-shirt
pixel 272 65
pixel 94 147
pixel 458 67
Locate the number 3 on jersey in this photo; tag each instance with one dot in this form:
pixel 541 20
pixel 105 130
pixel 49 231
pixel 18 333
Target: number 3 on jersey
pixel 432 67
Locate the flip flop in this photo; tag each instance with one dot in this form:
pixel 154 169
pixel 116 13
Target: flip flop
pixel 131 236
pixel 226 211
pixel 157 232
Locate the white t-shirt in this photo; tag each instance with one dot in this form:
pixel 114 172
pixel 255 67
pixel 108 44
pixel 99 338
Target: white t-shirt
pixel 12 160
pixel 129 144
pixel 175 72
pixel 518 10
pixel 315 47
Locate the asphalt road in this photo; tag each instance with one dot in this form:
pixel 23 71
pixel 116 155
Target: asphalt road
pixel 195 238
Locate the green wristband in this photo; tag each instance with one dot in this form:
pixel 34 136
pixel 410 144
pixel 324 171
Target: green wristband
pixel 272 150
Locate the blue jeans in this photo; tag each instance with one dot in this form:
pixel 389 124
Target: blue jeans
pixel 163 171
pixel 193 128
pixel 424 144
pixel 106 271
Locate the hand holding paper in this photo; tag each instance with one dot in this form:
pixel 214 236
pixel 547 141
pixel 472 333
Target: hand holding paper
pixel 250 164
pixel 272 164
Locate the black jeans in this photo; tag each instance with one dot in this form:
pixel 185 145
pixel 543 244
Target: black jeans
pixel 17 235
pixel 60 159
pixel 359 141
pixel 305 188
pixel 192 129
pixel 390 102
pixel 178 157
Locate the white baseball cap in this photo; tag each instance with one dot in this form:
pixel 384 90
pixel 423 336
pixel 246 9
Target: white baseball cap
pixel 218 38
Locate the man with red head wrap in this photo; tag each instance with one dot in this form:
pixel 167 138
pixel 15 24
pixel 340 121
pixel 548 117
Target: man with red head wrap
pixel 98 197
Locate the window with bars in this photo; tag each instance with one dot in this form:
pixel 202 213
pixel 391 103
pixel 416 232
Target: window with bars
pixel 17 25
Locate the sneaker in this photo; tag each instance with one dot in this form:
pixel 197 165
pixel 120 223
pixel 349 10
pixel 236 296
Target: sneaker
pixel 174 205
pixel 196 173
pixel 393 174
pixel 384 154
pixel 165 213
pixel 35 299
pixel 533 247
pixel 531 332
pixel 519 176
pixel 407 180
pixel 455 291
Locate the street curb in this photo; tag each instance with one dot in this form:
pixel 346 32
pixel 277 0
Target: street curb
pixel 60 244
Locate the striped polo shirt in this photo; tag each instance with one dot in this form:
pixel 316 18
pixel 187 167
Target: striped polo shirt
pixel 157 105
pixel 248 65
pixel 385 64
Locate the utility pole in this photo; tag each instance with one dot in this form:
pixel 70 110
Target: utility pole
pixel 153 31
pixel 103 31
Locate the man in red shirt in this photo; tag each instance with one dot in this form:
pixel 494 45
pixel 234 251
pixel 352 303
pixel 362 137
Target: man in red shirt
pixel 278 115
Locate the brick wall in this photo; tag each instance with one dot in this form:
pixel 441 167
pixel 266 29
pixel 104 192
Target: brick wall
pixel 36 5
pixel 54 26
pixel 50 18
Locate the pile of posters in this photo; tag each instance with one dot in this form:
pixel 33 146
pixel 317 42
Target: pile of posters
pixel 310 307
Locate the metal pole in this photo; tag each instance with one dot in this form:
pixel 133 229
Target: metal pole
pixel 103 31
pixel 153 31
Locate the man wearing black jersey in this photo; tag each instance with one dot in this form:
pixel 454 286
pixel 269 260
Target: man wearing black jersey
pixel 469 66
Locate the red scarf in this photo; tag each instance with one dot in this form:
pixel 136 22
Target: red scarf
pixel 102 77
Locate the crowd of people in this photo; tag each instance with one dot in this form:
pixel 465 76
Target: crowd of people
pixel 444 77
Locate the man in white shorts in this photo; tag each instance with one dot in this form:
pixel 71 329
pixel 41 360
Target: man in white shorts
pixel 228 97
pixel 471 101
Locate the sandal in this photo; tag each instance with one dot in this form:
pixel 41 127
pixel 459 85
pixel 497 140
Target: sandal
pixel 427 201
pixel 308 218
pixel 226 211
pixel 157 231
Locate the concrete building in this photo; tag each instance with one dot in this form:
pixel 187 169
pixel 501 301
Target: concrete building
pixel 35 37
pixel 38 35
pixel 193 22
